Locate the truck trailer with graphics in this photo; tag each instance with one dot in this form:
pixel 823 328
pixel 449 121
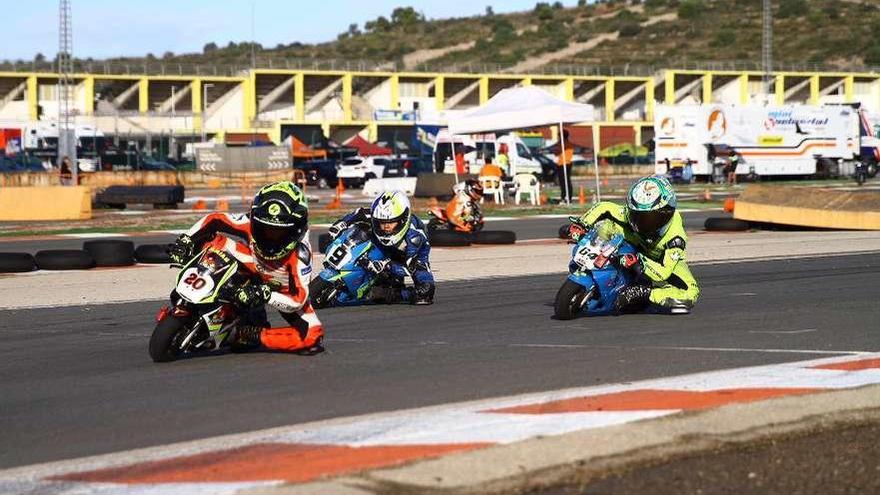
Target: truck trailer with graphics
pixel 792 140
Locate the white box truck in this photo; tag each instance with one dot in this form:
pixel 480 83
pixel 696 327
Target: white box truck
pixel 770 140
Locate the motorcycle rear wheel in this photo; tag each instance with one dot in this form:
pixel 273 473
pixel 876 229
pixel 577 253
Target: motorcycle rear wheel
pixel 570 299
pixel 165 341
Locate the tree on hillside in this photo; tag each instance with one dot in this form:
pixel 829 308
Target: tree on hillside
pixel 489 11
pixel 381 24
pixel 406 16
pixel 209 48
pixel 39 58
pixel 544 11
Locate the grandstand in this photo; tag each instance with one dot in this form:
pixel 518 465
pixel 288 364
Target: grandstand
pixel 341 103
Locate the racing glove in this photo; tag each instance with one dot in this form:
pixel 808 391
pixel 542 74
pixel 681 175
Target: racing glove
pixel 337 229
pixel 632 262
pixel 253 295
pixel 181 250
pixel 375 267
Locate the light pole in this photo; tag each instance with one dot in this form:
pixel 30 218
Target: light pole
pixel 205 110
pixel 171 124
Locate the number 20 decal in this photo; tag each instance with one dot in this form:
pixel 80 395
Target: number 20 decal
pixel 194 281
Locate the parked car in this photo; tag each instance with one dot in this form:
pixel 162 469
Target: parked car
pixel 319 173
pixel 357 170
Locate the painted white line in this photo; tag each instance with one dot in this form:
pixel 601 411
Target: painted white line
pixel 768 351
pixel 743 294
pixel 785 332
pixel 466 422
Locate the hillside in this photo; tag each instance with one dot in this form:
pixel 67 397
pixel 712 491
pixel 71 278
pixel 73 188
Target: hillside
pixel 636 35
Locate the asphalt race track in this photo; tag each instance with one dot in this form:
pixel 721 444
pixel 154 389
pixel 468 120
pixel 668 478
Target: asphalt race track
pixel 525 228
pixel 78 380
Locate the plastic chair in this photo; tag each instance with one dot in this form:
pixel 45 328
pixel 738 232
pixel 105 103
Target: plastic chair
pixel 492 186
pixel 527 184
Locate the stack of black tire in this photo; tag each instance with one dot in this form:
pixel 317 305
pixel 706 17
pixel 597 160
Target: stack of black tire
pixel 95 253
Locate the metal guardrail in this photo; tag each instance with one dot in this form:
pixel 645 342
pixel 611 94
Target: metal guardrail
pixel 163 68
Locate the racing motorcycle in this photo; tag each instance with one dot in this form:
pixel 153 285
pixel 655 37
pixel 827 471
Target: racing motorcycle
pixel 345 280
pixel 595 277
pixel 440 221
pixel 201 315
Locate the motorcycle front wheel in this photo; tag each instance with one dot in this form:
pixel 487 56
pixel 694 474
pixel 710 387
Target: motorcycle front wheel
pixel 860 178
pixel 322 292
pixel 166 338
pixel 570 299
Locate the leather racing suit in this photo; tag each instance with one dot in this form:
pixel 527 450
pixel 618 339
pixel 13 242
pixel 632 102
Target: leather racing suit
pixel 292 273
pixel 663 260
pixel 408 258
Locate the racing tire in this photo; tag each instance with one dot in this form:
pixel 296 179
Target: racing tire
pixel 719 224
pixel 64 259
pixel 321 293
pixel 16 263
pixel 570 298
pixel 449 238
pixel 114 252
pixel 494 237
pixel 164 339
pixel 152 253
pixel 872 170
pixel 324 241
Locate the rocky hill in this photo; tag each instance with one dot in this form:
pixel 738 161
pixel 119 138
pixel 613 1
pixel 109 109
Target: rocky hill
pixel 605 36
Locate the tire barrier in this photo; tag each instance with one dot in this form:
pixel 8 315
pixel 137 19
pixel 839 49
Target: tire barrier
pixel 159 196
pixel 114 252
pixel 494 237
pixel 449 238
pixel 16 263
pixel 324 241
pixel 64 259
pixel 152 253
pixel 720 224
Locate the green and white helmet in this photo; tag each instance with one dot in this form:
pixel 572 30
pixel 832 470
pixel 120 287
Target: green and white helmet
pixel 279 219
pixel 390 215
pixel 650 206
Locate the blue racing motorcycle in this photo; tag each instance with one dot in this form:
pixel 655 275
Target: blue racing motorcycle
pixel 595 277
pixel 345 280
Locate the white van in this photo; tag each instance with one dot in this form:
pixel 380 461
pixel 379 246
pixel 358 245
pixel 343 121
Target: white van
pixel 481 149
pixel 357 170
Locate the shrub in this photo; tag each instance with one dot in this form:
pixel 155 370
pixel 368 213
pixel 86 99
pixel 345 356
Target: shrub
pixel 629 29
pixel 690 9
pixel 792 8
pixel 723 38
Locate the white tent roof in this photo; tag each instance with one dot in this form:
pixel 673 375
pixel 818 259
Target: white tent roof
pixel 520 108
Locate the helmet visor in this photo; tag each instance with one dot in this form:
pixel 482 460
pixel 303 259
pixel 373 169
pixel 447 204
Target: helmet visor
pixel 275 240
pixel 388 230
pixel 649 223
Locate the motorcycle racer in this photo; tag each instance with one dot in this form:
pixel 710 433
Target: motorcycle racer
pixel 401 238
pixel 276 247
pixel 650 223
pixel 463 210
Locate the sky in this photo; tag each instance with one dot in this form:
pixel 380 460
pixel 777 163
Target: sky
pixel 107 28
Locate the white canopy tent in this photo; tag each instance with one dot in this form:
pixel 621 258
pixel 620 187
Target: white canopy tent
pixel 521 108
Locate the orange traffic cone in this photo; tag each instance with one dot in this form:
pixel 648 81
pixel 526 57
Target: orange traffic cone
pixel 222 205
pixel 542 200
pixel 582 198
pixel 729 205
pixel 200 205
pixel 707 195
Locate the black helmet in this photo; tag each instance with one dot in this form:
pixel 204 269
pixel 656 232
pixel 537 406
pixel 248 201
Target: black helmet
pixel 279 219
pixel 473 188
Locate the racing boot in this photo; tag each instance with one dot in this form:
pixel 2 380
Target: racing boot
pixel 316 348
pixel 632 298
pixel 677 307
pixel 247 338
